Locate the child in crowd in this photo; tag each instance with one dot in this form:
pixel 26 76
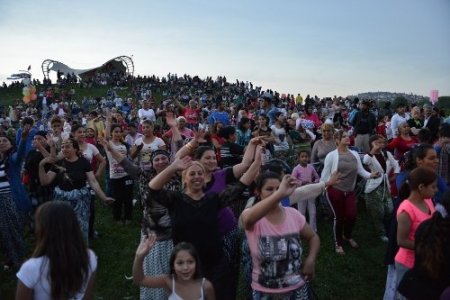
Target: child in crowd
pixel 305 173
pixel 273 234
pixel 60 267
pixel 184 281
pixel 430 275
pixel 417 208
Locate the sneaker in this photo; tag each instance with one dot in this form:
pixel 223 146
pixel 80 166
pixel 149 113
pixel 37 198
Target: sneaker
pixel 384 239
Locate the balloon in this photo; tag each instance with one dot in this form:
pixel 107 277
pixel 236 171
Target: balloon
pixel 26 91
pixel 32 89
pixel 33 97
pixel 26 99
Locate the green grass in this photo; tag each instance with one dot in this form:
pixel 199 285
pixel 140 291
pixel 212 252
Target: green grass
pixel 9 96
pixel 360 274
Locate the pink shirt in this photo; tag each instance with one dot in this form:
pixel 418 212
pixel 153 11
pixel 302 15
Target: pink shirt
pixel 406 256
pixel 276 253
pixel 306 174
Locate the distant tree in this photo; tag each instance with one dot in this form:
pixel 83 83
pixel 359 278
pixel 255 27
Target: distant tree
pixel 399 101
pixel 443 102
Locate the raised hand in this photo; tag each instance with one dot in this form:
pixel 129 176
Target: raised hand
pixel 182 163
pixel 288 185
pixel 146 244
pixel 50 140
pixel 25 131
pixel 170 120
pixel 199 136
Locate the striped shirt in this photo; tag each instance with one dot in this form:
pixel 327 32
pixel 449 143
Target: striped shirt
pixel 4 182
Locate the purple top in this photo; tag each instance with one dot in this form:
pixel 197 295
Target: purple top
pixel 226 218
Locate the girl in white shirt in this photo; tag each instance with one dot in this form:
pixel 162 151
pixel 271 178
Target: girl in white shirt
pixel 60 267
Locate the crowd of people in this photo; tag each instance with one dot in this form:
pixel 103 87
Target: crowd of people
pixel 228 177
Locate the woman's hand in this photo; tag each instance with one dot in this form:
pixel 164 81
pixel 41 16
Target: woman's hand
pixel 108 200
pixel 375 175
pixel 334 178
pixel 146 244
pixel 199 136
pixel 170 120
pixel 181 164
pixel 309 269
pixel 257 140
pixel 287 186
pixel 50 140
pixel 102 141
pixel 25 131
pixel 48 160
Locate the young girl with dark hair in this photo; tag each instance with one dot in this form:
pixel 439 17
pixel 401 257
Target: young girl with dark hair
pixel 417 208
pixel 430 275
pixel 273 234
pixel 60 267
pixel 185 280
pixel 120 182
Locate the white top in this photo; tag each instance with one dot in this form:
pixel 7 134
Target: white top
pixel 174 295
pixel 90 152
pixel 146 114
pixel 396 120
pixel 331 165
pixel 281 142
pixel 375 166
pixel 34 275
pixel 146 151
pixel 115 169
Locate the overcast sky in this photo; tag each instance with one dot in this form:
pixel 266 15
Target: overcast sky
pixel 324 47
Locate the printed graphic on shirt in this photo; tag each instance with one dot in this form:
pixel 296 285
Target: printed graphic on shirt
pixel 280 261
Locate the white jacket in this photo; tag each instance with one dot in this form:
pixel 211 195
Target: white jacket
pixel 374 165
pixel 331 165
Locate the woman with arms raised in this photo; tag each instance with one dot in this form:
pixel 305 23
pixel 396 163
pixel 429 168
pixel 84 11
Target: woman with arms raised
pixel 194 216
pixel 71 174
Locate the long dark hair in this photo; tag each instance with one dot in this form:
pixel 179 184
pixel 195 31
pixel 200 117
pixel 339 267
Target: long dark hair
pixel 416 177
pixel 8 153
pixel 59 238
pixel 188 247
pixel 262 179
pixel 418 152
pixel 431 246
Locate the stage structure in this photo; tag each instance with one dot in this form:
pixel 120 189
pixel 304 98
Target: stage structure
pixel 119 64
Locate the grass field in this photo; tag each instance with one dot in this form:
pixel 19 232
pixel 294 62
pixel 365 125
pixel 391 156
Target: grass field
pixel 358 275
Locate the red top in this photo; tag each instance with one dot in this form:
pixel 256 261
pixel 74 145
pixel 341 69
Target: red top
pixel 401 146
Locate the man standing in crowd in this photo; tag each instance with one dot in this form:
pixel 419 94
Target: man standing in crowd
pixel 364 124
pixel 398 118
pixel 146 112
pixel 432 121
pixel 220 115
pixel 268 109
